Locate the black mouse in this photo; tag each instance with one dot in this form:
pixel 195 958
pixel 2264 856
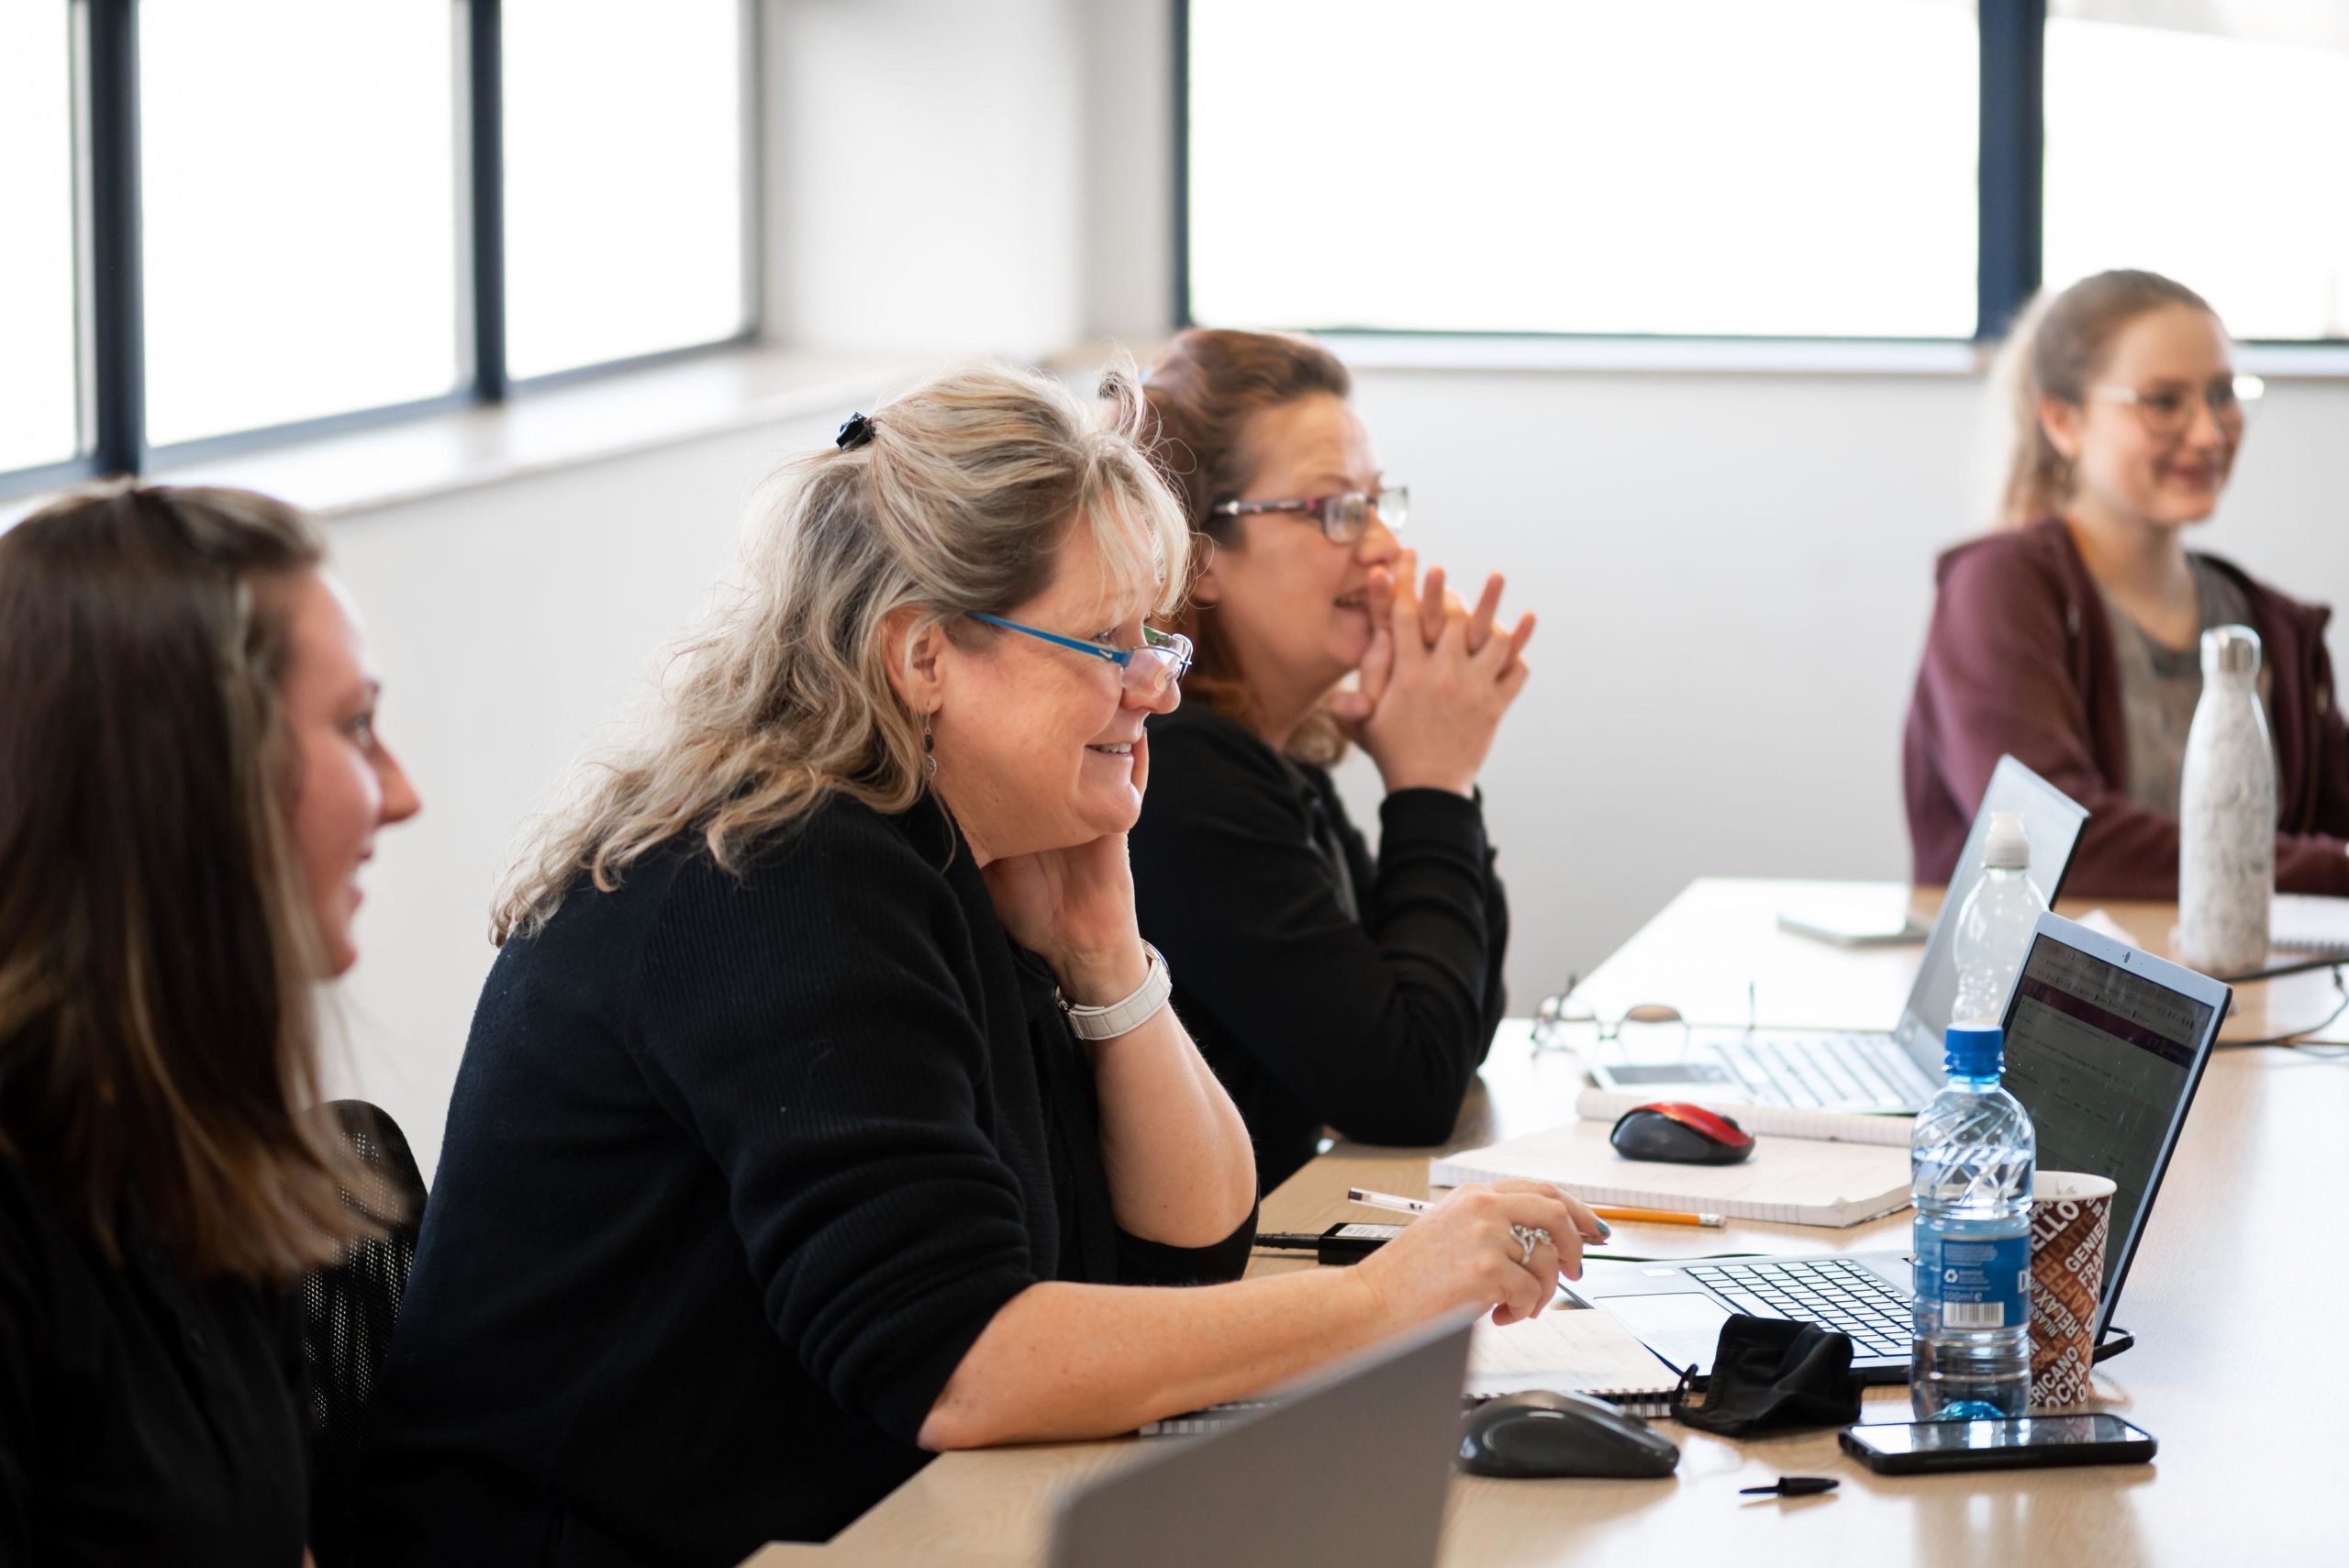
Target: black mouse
pixel 1681 1133
pixel 1539 1433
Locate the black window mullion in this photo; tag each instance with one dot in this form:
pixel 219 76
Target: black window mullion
pixel 2014 120
pixel 485 140
pixel 116 361
pixel 1182 62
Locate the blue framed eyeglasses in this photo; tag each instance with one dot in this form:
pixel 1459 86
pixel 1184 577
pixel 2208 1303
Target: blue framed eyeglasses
pixel 1160 661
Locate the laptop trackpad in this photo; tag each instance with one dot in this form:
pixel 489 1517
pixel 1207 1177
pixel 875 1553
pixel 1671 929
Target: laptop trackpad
pixel 1684 1327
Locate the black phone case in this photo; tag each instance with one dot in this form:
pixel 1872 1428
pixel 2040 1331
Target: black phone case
pixel 2039 1456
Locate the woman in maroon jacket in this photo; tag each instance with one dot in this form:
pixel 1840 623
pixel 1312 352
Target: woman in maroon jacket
pixel 2070 636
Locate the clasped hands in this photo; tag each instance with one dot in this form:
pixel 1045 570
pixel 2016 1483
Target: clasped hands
pixel 1435 681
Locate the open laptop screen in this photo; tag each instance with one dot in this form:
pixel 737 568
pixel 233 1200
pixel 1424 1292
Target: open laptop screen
pixel 2105 1056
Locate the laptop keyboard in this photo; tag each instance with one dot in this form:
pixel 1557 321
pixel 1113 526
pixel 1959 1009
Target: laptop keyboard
pixel 1833 1293
pixel 1822 1072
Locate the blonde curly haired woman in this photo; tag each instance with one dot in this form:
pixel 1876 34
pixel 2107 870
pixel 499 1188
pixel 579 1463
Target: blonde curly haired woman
pixel 823 1110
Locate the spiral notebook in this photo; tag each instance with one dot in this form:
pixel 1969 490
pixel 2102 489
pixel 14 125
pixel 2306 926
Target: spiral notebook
pixel 2310 923
pixel 1568 1350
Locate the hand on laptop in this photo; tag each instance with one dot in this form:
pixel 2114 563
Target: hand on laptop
pixel 1464 1253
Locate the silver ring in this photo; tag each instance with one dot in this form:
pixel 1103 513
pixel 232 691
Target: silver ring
pixel 1527 1236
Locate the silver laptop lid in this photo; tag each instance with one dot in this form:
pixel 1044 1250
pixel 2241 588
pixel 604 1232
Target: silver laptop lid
pixel 1352 1468
pixel 2051 821
pixel 2105 1047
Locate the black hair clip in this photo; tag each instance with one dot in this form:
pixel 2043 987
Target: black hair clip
pixel 855 431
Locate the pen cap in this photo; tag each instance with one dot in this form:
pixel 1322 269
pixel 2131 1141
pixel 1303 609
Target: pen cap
pixel 1974 1051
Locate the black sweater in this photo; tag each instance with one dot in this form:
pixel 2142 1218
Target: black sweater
pixel 144 1417
pixel 1324 989
pixel 736 1171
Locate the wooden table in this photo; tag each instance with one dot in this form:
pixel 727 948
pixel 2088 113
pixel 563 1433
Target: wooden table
pixel 2235 1298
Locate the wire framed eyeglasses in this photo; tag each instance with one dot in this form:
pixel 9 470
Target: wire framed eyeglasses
pixel 1343 516
pixel 2167 411
pixel 1162 660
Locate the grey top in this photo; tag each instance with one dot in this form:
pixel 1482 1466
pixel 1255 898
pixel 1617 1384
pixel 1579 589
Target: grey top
pixel 2161 685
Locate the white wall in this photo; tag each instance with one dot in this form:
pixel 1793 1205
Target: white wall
pixel 1734 575
pixel 926 160
pixel 1733 571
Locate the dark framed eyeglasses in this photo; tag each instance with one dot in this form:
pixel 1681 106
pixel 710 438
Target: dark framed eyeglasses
pixel 1343 516
pixel 1162 660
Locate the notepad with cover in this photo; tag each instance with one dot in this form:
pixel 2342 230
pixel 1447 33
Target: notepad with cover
pixel 1786 1121
pixel 1787 1180
pixel 2310 923
pixel 1567 1350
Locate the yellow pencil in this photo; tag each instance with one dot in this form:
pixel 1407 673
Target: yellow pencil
pixel 1658 1217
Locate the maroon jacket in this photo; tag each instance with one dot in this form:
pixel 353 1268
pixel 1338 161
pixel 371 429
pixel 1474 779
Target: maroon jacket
pixel 2020 660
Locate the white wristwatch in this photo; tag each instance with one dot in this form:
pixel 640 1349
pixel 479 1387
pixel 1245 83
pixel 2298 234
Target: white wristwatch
pixel 1125 1017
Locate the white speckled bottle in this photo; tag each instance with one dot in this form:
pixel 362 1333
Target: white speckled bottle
pixel 2226 860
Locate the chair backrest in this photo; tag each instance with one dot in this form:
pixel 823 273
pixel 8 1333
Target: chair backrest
pixel 348 1315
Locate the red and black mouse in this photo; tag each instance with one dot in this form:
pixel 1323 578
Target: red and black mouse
pixel 1681 1134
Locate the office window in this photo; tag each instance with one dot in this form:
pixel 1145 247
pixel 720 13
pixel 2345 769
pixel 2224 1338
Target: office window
pixel 299 187
pixel 2209 142
pixel 1714 166
pixel 40 388
pixel 625 175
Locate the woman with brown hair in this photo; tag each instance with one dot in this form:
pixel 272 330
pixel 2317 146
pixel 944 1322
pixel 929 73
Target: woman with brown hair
pixel 2070 636
pixel 189 780
pixel 1327 987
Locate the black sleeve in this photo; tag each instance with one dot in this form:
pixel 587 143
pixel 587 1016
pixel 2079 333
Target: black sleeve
pixel 1496 945
pixel 826 1054
pixel 1375 1025
pixel 1141 1261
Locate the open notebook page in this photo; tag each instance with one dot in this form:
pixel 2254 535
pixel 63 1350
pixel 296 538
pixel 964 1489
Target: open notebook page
pixel 1569 1350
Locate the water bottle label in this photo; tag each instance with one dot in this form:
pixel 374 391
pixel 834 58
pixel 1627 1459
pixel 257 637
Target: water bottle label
pixel 1978 1282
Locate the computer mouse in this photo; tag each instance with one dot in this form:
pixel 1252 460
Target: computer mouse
pixel 1539 1433
pixel 1681 1133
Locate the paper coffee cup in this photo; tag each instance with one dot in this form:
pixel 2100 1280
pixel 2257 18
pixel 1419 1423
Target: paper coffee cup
pixel 2071 1215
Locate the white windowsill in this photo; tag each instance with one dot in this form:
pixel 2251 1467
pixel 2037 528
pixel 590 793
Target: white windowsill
pixel 634 411
pixel 1752 356
pixel 464 449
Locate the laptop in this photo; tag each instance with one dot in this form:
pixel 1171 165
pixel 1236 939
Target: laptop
pixel 2105 1047
pixel 1861 1070
pixel 1352 1467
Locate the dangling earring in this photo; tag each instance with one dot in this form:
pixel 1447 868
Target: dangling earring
pixel 929 751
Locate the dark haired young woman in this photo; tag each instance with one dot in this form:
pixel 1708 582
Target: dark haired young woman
pixel 2070 636
pixel 1326 987
pixel 189 780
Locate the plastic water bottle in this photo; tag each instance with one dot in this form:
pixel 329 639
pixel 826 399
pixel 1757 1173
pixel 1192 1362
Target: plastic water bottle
pixel 1994 924
pixel 1970 1161
pixel 2226 849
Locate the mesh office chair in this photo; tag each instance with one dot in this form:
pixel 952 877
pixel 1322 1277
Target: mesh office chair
pixel 348 1315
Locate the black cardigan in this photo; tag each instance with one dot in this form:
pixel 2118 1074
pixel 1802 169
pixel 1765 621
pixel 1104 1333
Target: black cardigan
pixel 144 1417
pixel 1363 999
pixel 736 1171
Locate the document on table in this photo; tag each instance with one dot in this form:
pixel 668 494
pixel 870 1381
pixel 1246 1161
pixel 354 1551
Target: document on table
pixel 1788 1180
pixel 1569 1350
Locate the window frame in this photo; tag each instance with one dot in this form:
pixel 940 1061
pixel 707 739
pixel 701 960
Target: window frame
pixel 2010 195
pixel 110 278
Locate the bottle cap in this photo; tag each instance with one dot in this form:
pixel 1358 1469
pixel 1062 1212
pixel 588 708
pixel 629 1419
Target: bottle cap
pixel 2006 847
pixel 2230 651
pixel 1974 1051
